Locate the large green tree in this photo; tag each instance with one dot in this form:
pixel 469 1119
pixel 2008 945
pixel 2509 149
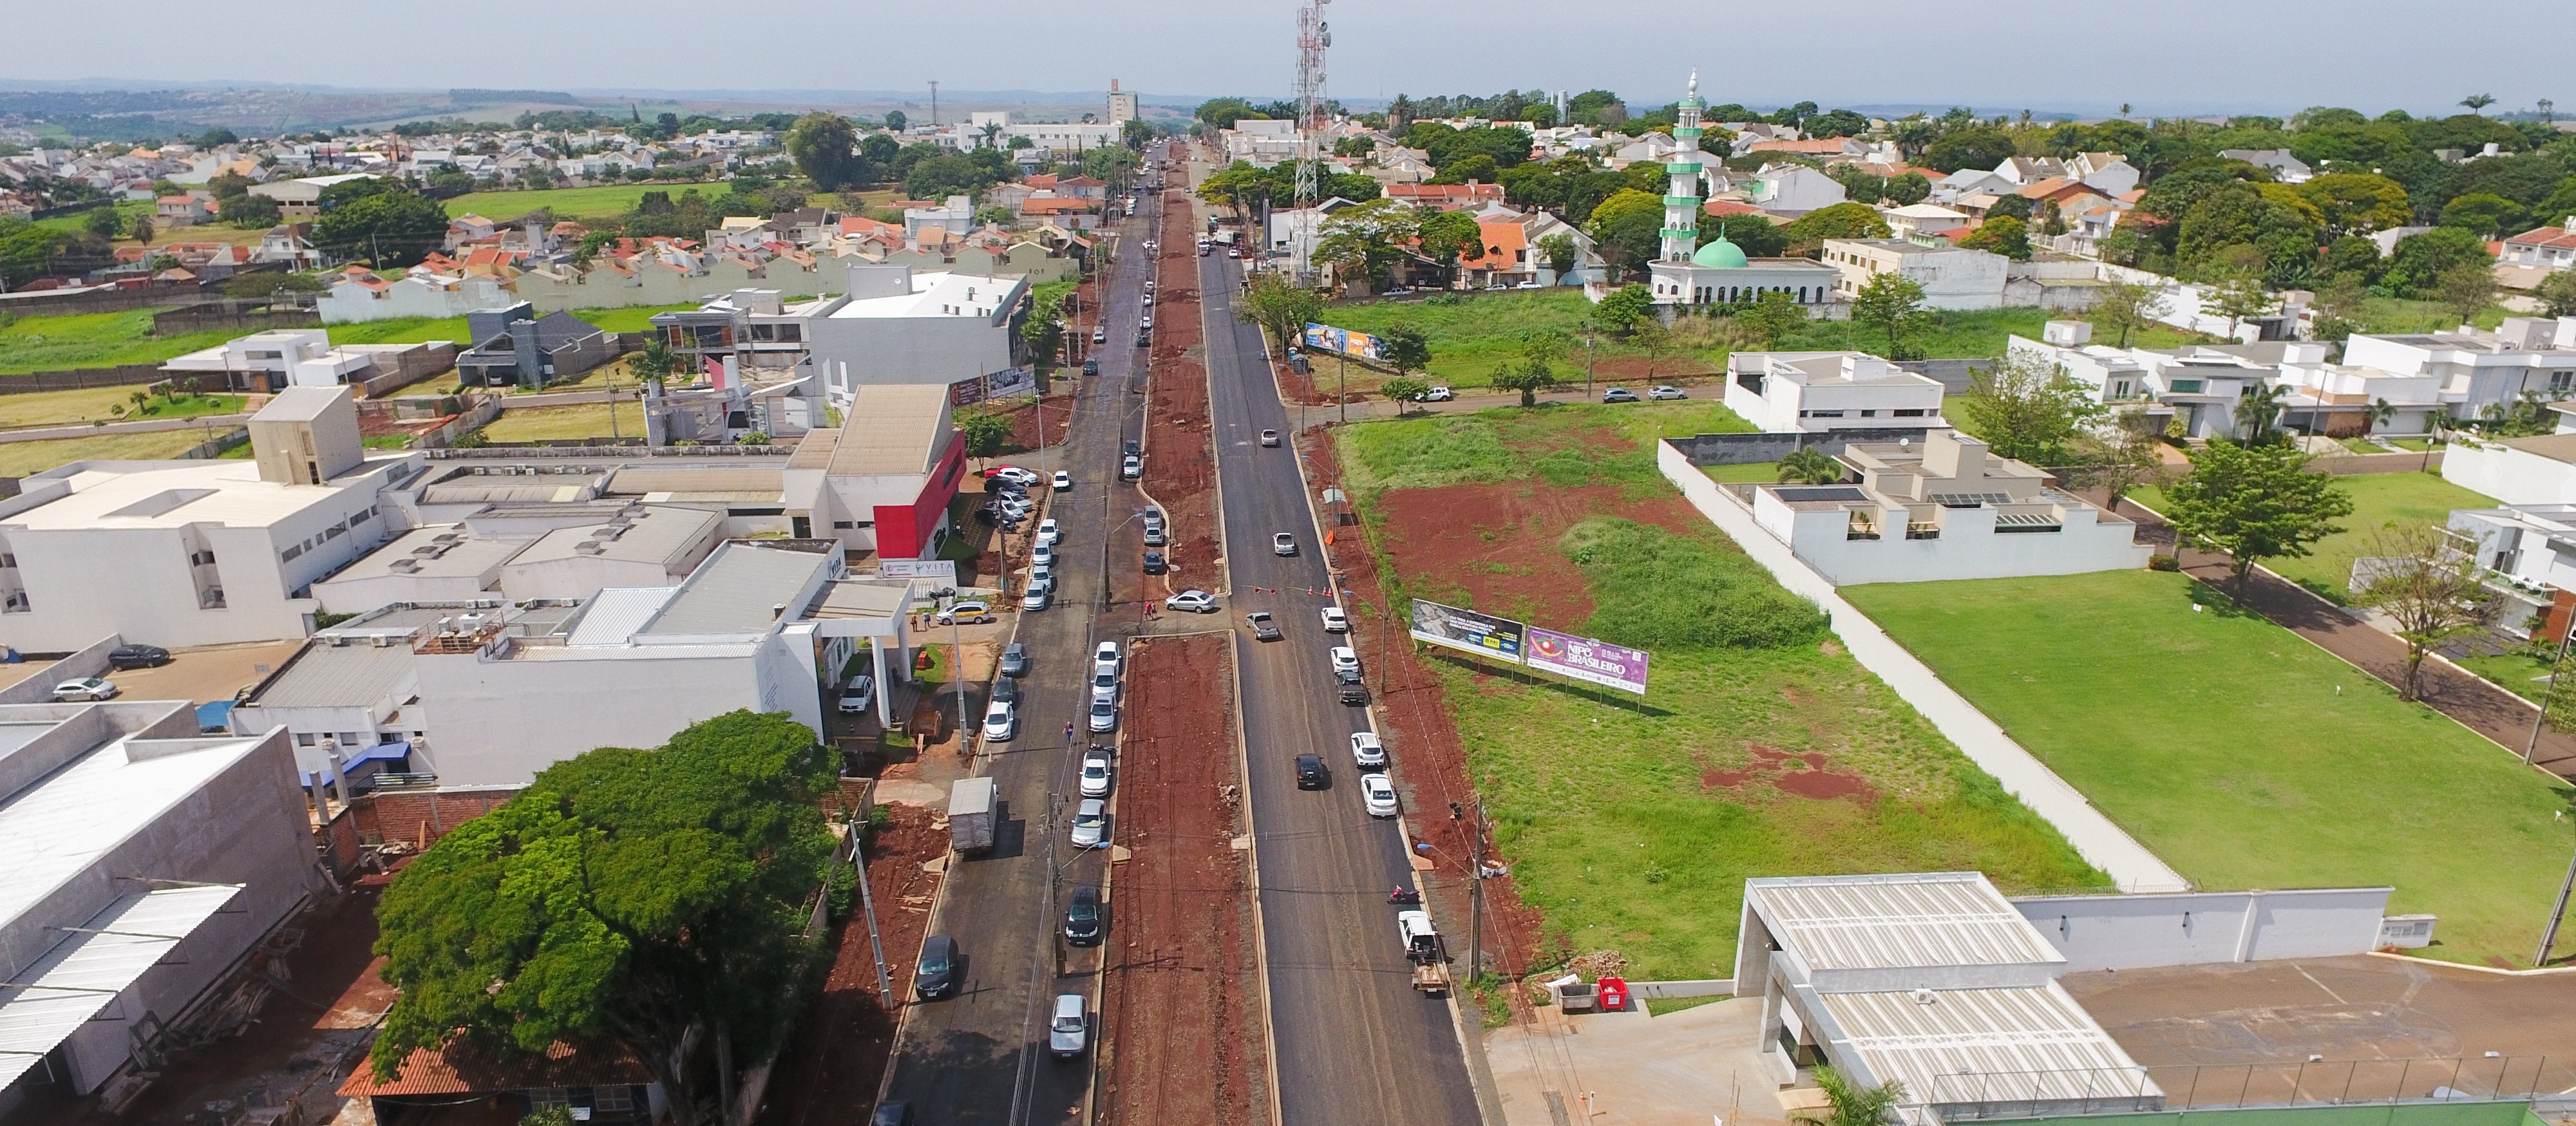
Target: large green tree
pixel 2254 503
pixel 1890 303
pixel 1807 233
pixel 392 229
pixel 2029 410
pixel 1627 229
pixel 825 148
pixel 640 898
pixel 1279 308
pixel 1363 241
pixel 2415 268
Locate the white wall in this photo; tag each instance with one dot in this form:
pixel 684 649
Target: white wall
pixel 2122 932
pixel 909 349
pixel 2507 474
pixel 1968 547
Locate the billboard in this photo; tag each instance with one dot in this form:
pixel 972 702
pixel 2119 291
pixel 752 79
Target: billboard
pixel 1597 662
pixel 1326 338
pixel 1499 638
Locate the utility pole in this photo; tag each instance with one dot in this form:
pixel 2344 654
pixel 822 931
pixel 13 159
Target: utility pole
pixel 868 903
pixel 934 105
pixel 2567 632
pixel 2549 937
pixel 1476 898
pixel 1345 393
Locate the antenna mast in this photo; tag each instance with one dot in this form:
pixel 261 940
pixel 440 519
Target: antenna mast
pixel 1313 37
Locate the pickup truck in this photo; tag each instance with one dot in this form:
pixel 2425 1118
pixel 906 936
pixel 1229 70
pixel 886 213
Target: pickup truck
pixel 971 809
pixel 1422 948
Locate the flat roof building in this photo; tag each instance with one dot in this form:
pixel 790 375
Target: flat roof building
pixel 1821 392
pixel 883 481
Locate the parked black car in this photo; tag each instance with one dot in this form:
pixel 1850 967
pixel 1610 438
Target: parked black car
pixel 891 1114
pixel 1082 921
pixel 1154 564
pixel 1310 772
pixel 137 657
pixel 1015 659
pixel 939 971
pixel 1090 367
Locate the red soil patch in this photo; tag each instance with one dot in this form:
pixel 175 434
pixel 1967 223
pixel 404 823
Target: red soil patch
pixel 1413 716
pixel 836 1058
pixel 1057 406
pixel 1498 543
pixel 1180 1023
pixel 1180 461
pixel 1773 768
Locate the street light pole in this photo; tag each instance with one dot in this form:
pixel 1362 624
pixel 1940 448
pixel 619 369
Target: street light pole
pixel 2567 632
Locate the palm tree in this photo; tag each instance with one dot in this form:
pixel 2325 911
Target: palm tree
pixel 990 129
pixel 2257 411
pixel 1847 1105
pixel 2380 413
pixel 2124 111
pixel 2478 103
pixel 1810 466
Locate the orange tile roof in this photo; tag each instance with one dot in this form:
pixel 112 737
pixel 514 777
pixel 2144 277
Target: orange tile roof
pixel 1725 207
pixel 1820 145
pixel 462 1069
pixel 2552 237
pixel 1505 239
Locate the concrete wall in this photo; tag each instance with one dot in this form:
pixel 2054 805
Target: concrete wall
pixel 1753 449
pixel 2122 932
pixel 909 349
pixel 89 660
pixel 1968 548
pixel 2507 474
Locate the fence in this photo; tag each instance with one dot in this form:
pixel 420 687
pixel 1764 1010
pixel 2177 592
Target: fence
pixel 774 449
pixel 2014 1094
pixel 101 299
pixel 215 447
pixel 1756 448
pixel 410 367
pixel 123 375
pixel 239 316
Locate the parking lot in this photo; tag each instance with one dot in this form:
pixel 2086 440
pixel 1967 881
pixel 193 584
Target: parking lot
pixel 206 674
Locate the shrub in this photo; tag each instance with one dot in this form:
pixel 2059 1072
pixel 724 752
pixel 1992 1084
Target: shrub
pixel 1658 590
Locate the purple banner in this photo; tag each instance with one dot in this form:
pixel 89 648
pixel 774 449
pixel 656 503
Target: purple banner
pixel 1599 662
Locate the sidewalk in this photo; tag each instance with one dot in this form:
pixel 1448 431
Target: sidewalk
pixel 2105 845
pixel 2478 704
pixel 218 423
pixel 1629 1069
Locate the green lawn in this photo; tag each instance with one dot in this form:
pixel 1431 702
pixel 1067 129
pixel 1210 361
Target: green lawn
pixel 412 330
pixel 1632 826
pixel 93 340
pixel 105 404
pixel 2378 499
pixel 2242 755
pixel 2397 314
pixel 2516 670
pixel 1974 335
pixel 1755 473
pixel 539 424
pixel 79 220
pixel 602 202
pixel 19 459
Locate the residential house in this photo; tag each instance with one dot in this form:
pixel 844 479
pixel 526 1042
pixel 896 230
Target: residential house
pixel 183 210
pixel 1923 220
pixel 1469 196
pixel 1853 395
pixel 289 244
pixel 956 216
pixel 2104 172
pixel 514 347
pixel 2538 470
pixel 275 359
pixel 301 198
pixel 2524 356
pixel 358 294
pixel 1952 277
pixel 1792 190
pixel 2552 248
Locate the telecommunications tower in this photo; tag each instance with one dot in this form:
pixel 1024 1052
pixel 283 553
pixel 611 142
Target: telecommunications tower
pixel 1313 37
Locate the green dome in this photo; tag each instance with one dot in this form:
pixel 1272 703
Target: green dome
pixel 1720 254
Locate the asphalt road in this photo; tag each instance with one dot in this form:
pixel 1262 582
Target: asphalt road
pixel 981 1056
pixel 1355 1044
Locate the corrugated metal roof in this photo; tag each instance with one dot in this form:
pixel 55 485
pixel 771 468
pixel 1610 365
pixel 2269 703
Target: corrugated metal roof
pixel 324 675
pixel 78 976
pixel 738 589
pixel 1987 1045
pixel 858 599
pixel 616 613
pixel 55 828
pixel 892 428
pixel 1891 922
pixel 720 479
pixel 665 534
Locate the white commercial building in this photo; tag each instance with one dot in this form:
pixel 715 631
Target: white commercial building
pixel 202 552
pixel 884 481
pixel 1943 508
pixel 302 198
pixel 893 325
pixel 1816 392
pixel 144 864
pixel 1952 277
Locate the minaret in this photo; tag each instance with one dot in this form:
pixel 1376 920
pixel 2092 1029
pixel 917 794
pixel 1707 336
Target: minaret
pixel 1681 197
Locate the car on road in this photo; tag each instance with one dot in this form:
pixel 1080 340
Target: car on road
pixel 1106 653
pixel 1234 252
pixel 1082 921
pixel 1043 555
pixel 1335 621
pixel 1104 715
pixel 967 613
pixel 1667 391
pixel 1155 564
pixel 1014 474
pixel 1063 481
pixel 1015 659
pixel 1310 772
pixel 1132 467
pixel 1148 299
pixel 1006 690
pixel 1366 752
pixel 1529 285
pixel 1618 395
pixel 1156 535
pixel 137 657
pixel 1439 393
pixel 1283 544
pixel 1001 721
pixel 1095 774
pixel 937 974
pixel 1038 597
pixel 1050 533
pixel 858 694
pixel 1145 321
pixel 1144 339
pixel 1070 1032
pixel 1100 335
pixel 1130 447
pixel 1350 691
pixel 1090 823
pixel 1345 659
pixel 1263 628
pixel 1191 602
pixel 1377 795
pixel 1270 437
pixel 1091 366
pixel 1104 677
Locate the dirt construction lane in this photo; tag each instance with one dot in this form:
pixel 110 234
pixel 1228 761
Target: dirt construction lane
pixel 1182 1038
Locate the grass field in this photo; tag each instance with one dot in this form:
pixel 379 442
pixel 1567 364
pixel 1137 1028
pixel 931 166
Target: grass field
pixel 1756 473
pixel 2378 499
pixel 93 340
pixel 2242 755
pixel 602 202
pixel 88 404
pixel 19 459
pixel 412 330
pixel 1762 748
pixel 542 424
pixel 2517 671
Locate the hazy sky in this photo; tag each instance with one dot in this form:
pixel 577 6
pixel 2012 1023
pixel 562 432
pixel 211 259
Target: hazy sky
pixel 2158 55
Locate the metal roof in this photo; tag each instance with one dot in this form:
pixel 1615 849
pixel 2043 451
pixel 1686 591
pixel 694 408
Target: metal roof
pixel 858 598
pixel 1897 922
pixel 67 985
pixel 664 534
pixel 614 614
pixel 1987 1045
pixel 323 675
pixel 892 428
pixel 55 828
pixel 738 589
pixel 762 479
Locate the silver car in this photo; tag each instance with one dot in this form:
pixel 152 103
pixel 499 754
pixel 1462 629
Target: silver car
pixel 1090 823
pixel 1070 1032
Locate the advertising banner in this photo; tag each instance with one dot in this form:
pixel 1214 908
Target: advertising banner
pixel 1499 638
pixel 1598 662
pixel 1326 338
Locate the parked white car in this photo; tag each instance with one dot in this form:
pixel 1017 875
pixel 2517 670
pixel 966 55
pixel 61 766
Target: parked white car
pixel 1335 621
pixel 1366 752
pixel 86 688
pixel 1063 481
pixel 1345 659
pixel 1667 391
pixel 1377 795
pixel 1191 602
pixel 1439 394
pixel 1001 722
pixel 1049 532
pixel 1043 555
pixel 861 692
pixel 1069 1034
pixel 1095 776
pixel 1039 596
pixel 1107 653
pixel 1014 474
pixel 1104 716
pixel 965 613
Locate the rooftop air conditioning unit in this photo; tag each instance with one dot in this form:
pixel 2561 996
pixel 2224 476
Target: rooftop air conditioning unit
pixel 589 547
pixel 405 566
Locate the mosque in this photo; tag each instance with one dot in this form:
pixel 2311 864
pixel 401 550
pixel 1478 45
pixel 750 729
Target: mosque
pixel 1720 273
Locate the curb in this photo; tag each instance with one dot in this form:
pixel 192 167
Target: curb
pixel 1252 858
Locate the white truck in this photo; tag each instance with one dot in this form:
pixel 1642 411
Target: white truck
pixel 972 806
pixel 1422 948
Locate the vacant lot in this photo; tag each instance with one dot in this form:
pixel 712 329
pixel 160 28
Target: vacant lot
pixel 413 330
pixel 19 459
pixel 2378 499
pixel 92 404
pixel 542 424
pixel 93 340
pixel 601 202
pixel 1762 749
pixel 2242 755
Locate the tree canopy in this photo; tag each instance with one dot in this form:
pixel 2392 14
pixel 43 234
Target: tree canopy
pixel 2255 503
pixel 393 228
pixel 826 149
pixel 2029 411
